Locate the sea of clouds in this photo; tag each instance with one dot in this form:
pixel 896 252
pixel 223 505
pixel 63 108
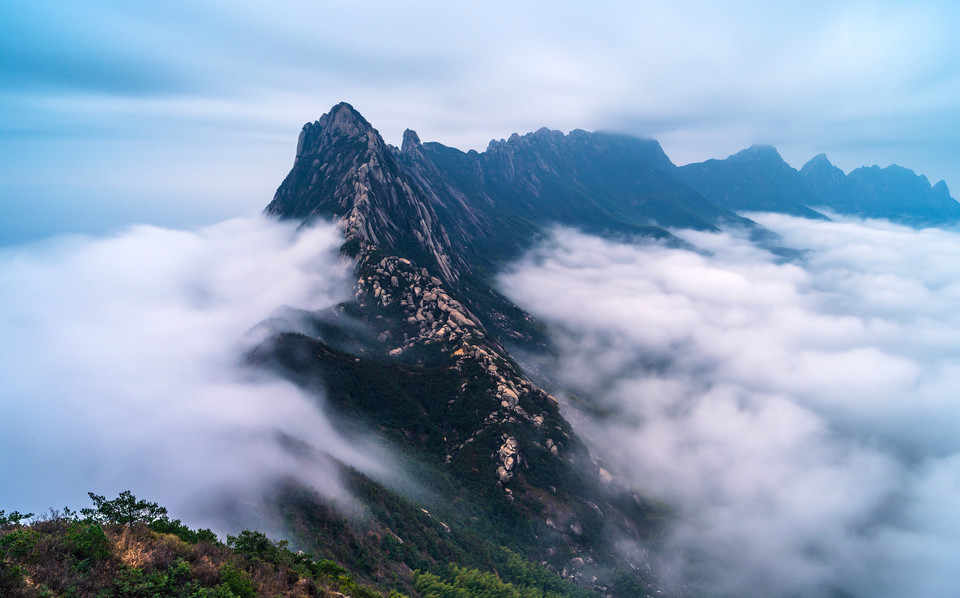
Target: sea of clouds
pixel 801 415
pixel 122 366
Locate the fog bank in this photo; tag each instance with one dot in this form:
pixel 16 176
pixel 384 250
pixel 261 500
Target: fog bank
pixel 121 361
pixel 801 415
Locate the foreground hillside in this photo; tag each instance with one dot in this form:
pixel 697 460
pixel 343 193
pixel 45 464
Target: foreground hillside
pixel 127 547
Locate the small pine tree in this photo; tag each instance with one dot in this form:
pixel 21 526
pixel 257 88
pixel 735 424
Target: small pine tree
pixel 126 509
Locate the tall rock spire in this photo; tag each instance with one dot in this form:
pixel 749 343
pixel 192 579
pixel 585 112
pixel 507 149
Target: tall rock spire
pixel 345 171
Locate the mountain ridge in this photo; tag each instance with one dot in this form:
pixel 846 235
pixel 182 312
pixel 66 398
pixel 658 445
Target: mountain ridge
pixel 432 366
pixel 431 371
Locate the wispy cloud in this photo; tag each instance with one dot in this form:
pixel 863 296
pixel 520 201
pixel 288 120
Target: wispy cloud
pixel 121 360
pixel 800 415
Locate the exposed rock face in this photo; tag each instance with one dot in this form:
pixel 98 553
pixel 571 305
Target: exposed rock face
pixel 453 211
pixel 378 205
pixel 344 170
pixel 508 458
pixel 464 215
pixel 595 181
pixel 423 316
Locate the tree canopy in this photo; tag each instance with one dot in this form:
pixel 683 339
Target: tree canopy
pixel 126 509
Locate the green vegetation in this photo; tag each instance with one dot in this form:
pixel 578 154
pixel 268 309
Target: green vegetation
pixel 129 548
pixel 459 582
pixel 13 518
pixel 428 410
pixel 126 509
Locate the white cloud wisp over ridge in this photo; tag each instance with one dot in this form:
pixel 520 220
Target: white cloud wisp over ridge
pixel 800 415
pixel 121 360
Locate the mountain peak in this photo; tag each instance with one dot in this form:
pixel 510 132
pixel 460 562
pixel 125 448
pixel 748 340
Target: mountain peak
pixel 941 190
pixel 342 122
pixel 758 152
pixel 345 120
pixel 818 160
pixel 411 142
pixel 754 179
pixel 820 166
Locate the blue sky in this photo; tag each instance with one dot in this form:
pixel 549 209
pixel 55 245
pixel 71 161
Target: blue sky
pixel 183 113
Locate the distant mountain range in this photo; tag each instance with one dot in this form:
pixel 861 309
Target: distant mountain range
pixel 757 179
pixel 424 353
pixel 894 193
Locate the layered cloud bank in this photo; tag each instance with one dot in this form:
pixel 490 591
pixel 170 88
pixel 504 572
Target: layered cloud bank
pixel 121 361
pixel 801 415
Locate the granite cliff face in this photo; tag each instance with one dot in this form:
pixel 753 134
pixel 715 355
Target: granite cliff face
pixel 344 170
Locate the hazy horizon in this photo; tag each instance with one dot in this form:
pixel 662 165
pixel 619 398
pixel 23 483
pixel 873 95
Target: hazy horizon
pixel 186 113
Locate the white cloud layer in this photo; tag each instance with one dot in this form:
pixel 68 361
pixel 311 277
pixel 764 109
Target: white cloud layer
pixel 121 366
pixel 802 416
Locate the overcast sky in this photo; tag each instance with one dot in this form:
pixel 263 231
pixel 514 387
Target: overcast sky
pixel 181 112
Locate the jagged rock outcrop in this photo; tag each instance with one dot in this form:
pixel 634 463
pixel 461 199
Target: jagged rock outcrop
pixel 463 215
pixel 595 181
pixel 460 208
pixel 757 179
pixel 825 179
pixel 344 170
pixel 423 322
pixel 381 198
